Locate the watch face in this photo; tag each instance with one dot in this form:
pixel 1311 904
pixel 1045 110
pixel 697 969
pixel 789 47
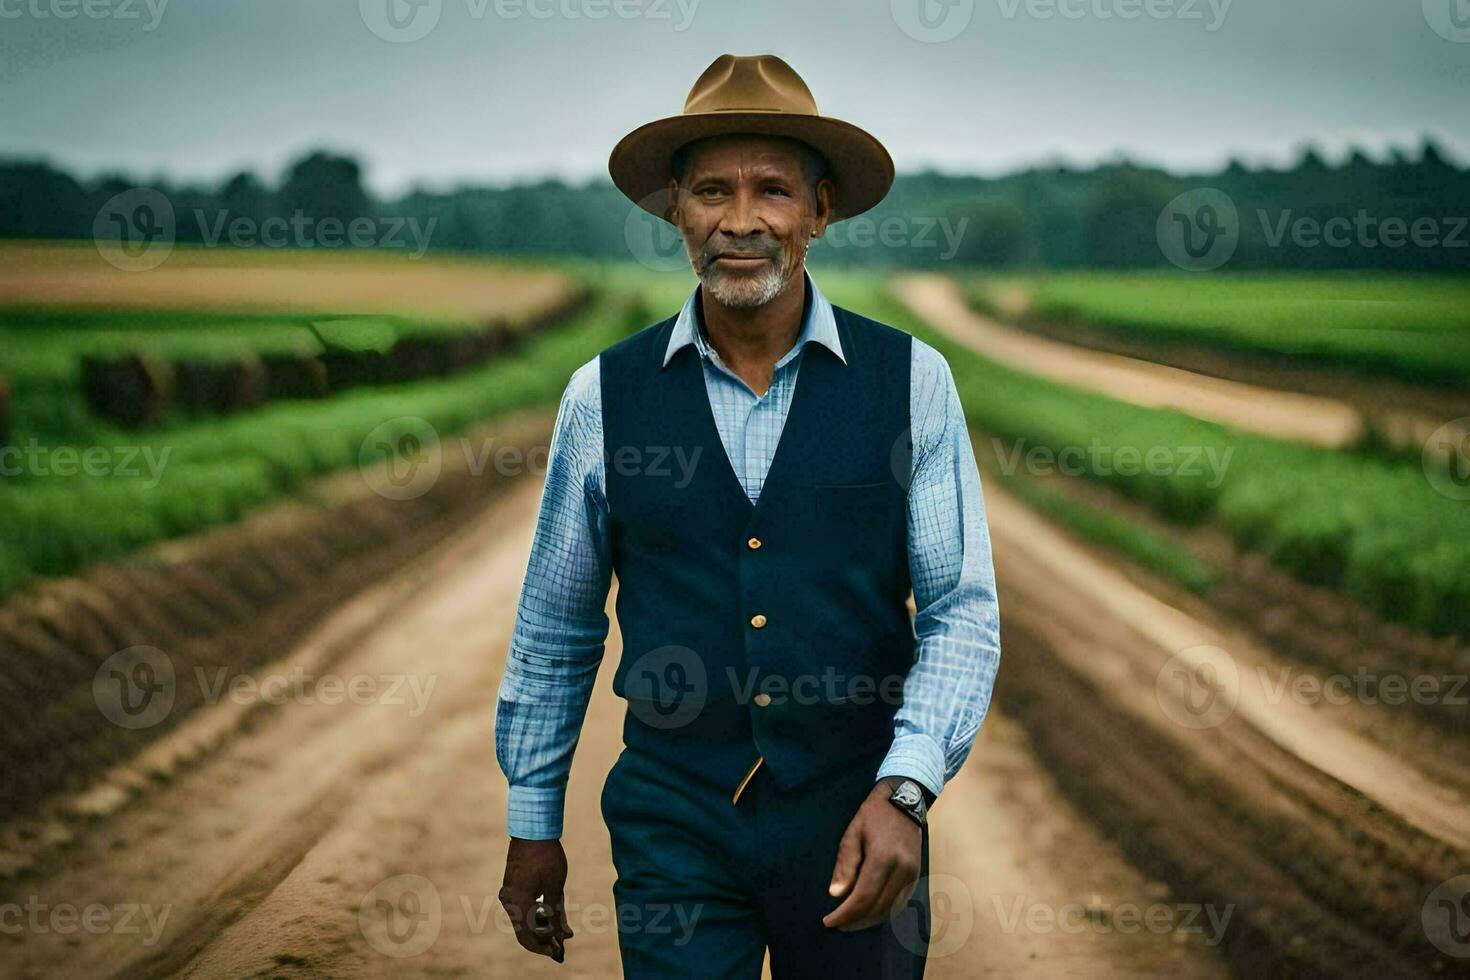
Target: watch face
pixel 907 795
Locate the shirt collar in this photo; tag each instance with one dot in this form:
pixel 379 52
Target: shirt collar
pixel 819 324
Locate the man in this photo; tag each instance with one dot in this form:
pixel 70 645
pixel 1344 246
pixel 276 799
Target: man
pixel 788 721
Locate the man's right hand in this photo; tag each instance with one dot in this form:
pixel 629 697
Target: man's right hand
pixel 536 869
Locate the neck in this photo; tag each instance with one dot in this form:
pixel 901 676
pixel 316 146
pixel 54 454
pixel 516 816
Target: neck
pixel 751 340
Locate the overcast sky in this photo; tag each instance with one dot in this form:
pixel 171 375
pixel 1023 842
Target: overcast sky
pixel 497 90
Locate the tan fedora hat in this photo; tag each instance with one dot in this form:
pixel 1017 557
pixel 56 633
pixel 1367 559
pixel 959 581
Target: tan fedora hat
pixel 754 95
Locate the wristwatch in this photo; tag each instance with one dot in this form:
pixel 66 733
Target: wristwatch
pixel 908 796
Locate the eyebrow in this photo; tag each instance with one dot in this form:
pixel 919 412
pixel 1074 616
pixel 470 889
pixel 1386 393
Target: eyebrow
pixel 759 172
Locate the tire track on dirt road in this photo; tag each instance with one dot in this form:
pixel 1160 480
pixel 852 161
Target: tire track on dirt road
pixel 1327 842
pixel 368 839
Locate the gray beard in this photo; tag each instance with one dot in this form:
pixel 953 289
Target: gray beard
pixel 740 292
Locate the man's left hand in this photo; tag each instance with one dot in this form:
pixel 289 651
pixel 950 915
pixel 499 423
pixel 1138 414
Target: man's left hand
pixel 878 863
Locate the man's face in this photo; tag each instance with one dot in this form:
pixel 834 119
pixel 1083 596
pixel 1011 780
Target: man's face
pixel 747 216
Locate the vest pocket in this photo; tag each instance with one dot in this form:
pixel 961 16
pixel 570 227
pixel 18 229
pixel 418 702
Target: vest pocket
pixel 850 512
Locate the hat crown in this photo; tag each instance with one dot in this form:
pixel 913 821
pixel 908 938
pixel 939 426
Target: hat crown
pixel 750 83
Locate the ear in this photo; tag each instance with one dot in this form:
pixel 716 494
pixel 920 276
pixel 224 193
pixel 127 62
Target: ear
pixel 826 201
pixel 671 209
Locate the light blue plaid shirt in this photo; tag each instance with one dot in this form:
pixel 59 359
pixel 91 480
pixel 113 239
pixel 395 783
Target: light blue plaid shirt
pixel 561 623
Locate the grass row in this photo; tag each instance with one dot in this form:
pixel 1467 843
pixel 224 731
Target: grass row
pixel 1155 552
pixel 213 472
pixel 1373 528
pixel 1413 328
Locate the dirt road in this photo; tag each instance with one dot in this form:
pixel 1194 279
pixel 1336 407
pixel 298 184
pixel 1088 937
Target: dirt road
pixel 1282 415
pixel 364 836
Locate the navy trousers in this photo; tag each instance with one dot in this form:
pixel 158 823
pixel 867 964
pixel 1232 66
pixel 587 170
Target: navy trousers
pixel 705 886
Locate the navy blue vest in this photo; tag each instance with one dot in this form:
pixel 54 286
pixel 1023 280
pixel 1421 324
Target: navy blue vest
pixel 778 629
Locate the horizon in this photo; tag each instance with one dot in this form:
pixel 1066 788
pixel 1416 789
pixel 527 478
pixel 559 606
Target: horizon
pixel 1411 152
pixel 514 91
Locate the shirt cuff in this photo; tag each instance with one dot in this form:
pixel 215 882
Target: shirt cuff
pixel 535 813
pixel 918 757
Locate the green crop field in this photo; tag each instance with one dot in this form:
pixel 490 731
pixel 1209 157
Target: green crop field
pixel 1373 528
pixel 185 477
pixel 1413 327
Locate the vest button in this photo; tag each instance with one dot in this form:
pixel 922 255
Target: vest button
pixel 762 700
pixel 758 620
pixel 753 543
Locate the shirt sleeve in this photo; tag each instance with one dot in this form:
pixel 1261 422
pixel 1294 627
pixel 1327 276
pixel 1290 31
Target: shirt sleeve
pixel 957 619
pixel 561 623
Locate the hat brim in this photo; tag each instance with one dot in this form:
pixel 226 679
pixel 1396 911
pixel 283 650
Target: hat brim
pixel 860 165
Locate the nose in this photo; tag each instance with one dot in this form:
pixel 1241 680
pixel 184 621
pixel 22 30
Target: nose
pixel 739 218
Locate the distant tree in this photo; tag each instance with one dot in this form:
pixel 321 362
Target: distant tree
pixel 324 185
pixel 1121 219
pixel 1311 161
pixel 244 193
pixel 39 201
pixel 993 233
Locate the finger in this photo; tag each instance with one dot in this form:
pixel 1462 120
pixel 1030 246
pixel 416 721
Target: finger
pixel 878 910
pixel 520 908
pixel 560 930
pixel 872 878
pixel 849 859
pixel 905 895
pixel 566 927
pixel 892 899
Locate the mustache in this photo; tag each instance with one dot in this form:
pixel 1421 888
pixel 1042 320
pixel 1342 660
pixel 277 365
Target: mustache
pixel 768 248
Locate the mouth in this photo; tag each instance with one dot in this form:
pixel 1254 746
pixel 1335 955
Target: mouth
pixel 736 260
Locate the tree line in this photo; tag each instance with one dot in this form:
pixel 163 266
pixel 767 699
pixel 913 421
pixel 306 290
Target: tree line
pixel 1406 212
